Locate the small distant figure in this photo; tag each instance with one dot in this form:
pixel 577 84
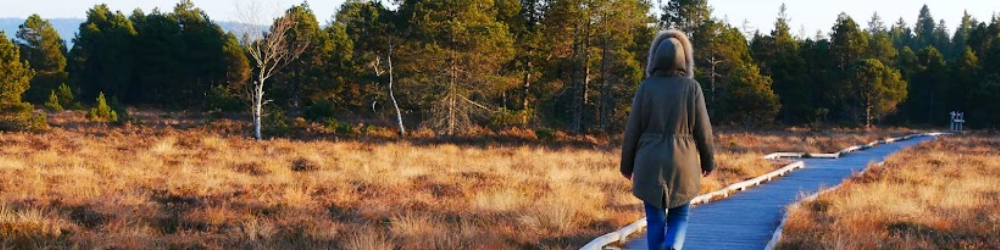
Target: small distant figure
pixel 667 145
pixel 957 121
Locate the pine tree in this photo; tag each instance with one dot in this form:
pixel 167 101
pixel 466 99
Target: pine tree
pixel 101 111
pixel 101 59
pixel 568 30
pixel 735 90
pixel 225 96
pixel 180 56
pixel 53 103
pixel 927 88
pixel 989 52
pixel 901 34
pixel 779 55
pixel 907 63
pixel 986 93
pixel 65 97
pixel 15 75
pixel 745 95
pixel 293 84
pixel 849 44
pixel 45 51
pixel 965 73
pixel 158 48
pixel 984 98
pixel 821 74
pixel 317 76
pixel 369 27
pixel 686 15
pixel 41 45
pixel 961 38
pixel 880 46
pixel 618 25
pixel 980 39
pixel 338 60
pixel 877 90
pixel 941 39
pixel 203 57
pixel 924 29
pixel 236 63
pixel 461 48
pixel 752 102
pixel 523 18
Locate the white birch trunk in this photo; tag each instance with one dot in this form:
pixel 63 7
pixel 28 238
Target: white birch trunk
pixel 399 115
pixel 258 106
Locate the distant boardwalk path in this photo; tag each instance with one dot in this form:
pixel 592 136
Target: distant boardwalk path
pixel 747 220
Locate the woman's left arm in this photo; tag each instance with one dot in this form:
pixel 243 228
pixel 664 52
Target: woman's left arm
pixel 703 132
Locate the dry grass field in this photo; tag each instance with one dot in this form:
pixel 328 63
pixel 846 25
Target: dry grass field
pixel 84 185
pixel 939 195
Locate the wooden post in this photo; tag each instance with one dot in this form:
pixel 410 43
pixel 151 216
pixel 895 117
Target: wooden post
pixel 951 122
pixel 961 121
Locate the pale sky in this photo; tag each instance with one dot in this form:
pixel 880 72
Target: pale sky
pixel 812 15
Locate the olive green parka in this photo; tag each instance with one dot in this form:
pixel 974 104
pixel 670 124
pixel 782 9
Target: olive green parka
pixel 668 139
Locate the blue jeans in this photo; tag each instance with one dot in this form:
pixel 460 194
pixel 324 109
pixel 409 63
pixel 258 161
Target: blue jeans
pixel 666 229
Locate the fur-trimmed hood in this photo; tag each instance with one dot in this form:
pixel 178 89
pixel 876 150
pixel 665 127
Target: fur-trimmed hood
pixel 666 52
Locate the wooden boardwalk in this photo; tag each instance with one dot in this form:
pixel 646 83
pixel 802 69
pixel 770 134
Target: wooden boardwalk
pixel 747 220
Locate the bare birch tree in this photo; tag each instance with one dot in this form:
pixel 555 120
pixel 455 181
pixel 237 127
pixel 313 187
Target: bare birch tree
pixel 269 51
pixel 379 71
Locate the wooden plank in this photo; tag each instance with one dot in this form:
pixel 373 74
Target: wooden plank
pixel 783 155
pixel 826 156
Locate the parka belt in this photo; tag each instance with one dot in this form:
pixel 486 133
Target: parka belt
pixel 662 136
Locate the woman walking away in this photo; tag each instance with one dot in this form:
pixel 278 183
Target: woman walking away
pixel 668 140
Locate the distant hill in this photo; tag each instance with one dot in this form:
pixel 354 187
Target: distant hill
pixel 67 27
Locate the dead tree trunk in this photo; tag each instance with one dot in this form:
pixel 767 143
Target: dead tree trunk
pixel 712 86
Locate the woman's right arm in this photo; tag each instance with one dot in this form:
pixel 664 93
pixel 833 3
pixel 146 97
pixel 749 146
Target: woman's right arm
pixel 633 129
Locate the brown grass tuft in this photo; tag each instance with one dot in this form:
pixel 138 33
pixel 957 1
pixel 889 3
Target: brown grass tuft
pixel 368 239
